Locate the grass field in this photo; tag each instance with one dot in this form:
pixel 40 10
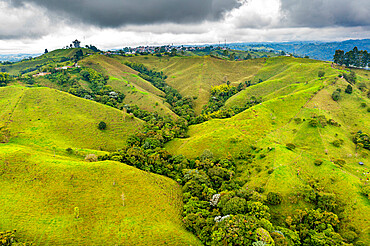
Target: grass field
pixel 124 79
pixel 42 183
pixel 194 76
pixel 39 194
pixel 51 118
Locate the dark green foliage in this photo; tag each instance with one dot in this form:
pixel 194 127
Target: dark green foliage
pixel 274 198
pixel 4 79
pixel 338 142
pixel 351 77
pixel 219 95
pixel 313 122
pixel 318 162
pixel 362 87
pixel 336 95
pixel 362 140
pixel 102 125
pixel 363 105
pixel 235 205
pixel 69 150
pixel 8 238
pixel 368 110
pixel 290 146
pixel 321 74
pixel 355 57
pixel 340 162
pixel 181 106
pixel 348 89
pixel 298 120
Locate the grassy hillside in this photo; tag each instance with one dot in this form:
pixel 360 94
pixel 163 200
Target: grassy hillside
pixel 51 118
pixel 270 126
pixel 54 58
pixel 281 76
pixel 194 76
pixel 124 79
pixel 40 193
pixel 42 183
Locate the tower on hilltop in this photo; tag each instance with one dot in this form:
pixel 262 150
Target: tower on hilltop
pixel 76 43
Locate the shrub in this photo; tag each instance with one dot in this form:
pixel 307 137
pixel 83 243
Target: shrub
pixel 340 162
pixel 260 189
pixel 91 158
pixel 69 150
pixel 368 109
pixel 102 125
pixel 313 122
pixel 290 146
pixel 336 95
pixel 348 89
pixel 337 143
pixel 274 198
pixel 321 74
pixel 270 171
pixel 318 162
pixel 4 79
pixel 297 120
pixel 363 105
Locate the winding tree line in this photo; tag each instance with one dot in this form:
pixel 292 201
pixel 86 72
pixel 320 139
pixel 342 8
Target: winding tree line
pixel 355 57
pixel 182 106
pixel 215 108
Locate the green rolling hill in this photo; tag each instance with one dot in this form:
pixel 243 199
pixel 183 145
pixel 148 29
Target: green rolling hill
pixel 194 76
pixel 298 143
pixel 42 183
pixel 126 80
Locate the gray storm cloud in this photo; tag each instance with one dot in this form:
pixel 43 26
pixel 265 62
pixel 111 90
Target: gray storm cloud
pixel 113 13
pixel 326 13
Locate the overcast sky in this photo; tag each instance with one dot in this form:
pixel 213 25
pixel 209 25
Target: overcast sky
pixel 30 26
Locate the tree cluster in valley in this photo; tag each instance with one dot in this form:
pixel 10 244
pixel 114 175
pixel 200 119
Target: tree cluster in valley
pixel 355 57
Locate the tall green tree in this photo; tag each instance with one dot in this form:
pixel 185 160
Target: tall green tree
pixel 4 79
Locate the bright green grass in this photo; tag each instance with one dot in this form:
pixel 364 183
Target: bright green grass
pixel 282 76
pixel 194 76
pixel 50 118
pixel 124 79
pixel 237 133
pixel 270 125
pixel 39 193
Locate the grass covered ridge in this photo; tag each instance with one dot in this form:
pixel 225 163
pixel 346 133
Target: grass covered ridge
pixel 117 204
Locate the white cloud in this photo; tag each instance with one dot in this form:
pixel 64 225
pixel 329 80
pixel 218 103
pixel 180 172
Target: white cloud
pixel 25 21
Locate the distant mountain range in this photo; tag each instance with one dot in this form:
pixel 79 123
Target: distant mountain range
pixel 314 49
pixel 16 57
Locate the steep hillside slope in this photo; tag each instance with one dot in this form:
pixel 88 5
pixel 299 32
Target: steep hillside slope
pixel 61 200
pixel 286 144
pixel 281 76
pixel 195 76
pixel 51 118
pixel 124 79
pixel 52 196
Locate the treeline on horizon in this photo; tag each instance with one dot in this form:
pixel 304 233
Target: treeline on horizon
pixel 355 57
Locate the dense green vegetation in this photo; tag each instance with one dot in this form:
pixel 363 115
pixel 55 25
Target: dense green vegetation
pixel 355 57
